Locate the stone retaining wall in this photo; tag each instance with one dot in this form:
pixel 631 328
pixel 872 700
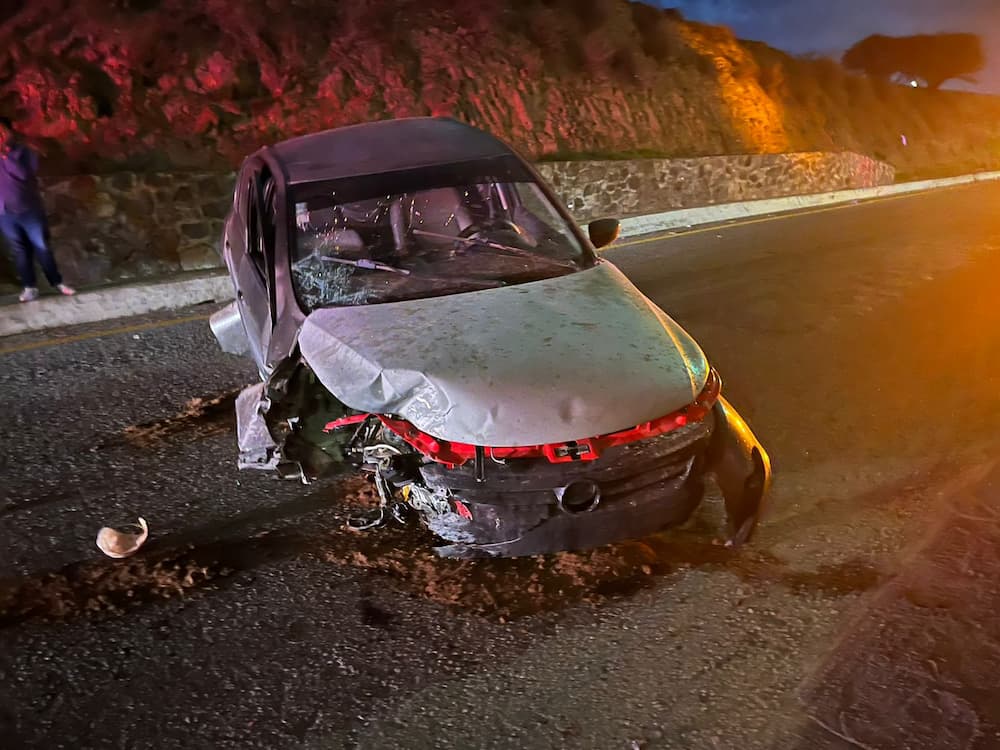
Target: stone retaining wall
pixel 629 188
pixel 130 225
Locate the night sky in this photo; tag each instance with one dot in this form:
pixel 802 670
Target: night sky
pixel 830 26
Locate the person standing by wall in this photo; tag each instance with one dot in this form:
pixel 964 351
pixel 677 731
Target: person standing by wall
pixel 22 214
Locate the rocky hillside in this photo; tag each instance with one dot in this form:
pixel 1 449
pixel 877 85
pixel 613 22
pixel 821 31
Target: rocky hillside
pixel 163 84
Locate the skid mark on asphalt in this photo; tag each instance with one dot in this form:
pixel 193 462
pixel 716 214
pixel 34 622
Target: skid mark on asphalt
pixel 76 493
pixel 200 418
pixel 401 559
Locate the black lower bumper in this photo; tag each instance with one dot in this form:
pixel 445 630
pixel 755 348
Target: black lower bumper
pixel 521 508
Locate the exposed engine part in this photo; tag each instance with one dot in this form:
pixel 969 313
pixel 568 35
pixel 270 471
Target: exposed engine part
pixel 381 459
pixel 429 503
pixel 373 518
pixel 380 456
pixel 480 464
pixel 280 425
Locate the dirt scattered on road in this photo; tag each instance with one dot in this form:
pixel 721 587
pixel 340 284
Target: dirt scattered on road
pixel 502 589
pixel 403 559
pixel 511 588
pixel 101 586
pixel 200 418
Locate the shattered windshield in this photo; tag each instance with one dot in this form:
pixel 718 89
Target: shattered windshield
pixel 425 233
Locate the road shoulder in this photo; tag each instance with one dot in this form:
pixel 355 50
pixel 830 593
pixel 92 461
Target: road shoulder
pixel 920 667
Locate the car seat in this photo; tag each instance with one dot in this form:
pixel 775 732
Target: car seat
pixel 441 210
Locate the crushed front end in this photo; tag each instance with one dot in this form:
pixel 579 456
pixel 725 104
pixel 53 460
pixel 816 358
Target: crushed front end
pixel 493 501
pixel 531 506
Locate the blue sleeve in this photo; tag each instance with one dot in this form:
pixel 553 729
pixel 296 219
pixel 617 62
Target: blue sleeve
pixel 21 162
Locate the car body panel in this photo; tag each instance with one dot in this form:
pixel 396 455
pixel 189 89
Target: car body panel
pixel 742 469
pixel 258 264
pixel 559 359
pixel 227 326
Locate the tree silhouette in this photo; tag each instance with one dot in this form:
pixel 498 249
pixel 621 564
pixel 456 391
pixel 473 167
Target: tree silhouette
pixel 934 57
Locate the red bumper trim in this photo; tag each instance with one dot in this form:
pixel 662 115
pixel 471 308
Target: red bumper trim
pixel 587 449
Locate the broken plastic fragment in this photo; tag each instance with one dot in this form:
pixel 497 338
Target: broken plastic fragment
pixel 119 544
pixel 344 421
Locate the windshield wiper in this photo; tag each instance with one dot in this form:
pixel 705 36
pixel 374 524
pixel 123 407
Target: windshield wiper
pixel 474 241
pixel 495 245
pixel 371 265
pixel 374 265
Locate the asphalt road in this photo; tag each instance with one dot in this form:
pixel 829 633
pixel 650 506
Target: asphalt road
pixel 861 343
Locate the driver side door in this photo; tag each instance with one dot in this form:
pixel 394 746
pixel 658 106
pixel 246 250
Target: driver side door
pixel 254 285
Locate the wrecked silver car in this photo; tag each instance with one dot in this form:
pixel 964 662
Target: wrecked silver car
pixel 420 306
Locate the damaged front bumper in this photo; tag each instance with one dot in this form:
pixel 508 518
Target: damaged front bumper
pixel 508 502
pixel 530 507
pixel 742 470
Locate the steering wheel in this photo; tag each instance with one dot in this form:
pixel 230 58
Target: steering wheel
pixel 471 232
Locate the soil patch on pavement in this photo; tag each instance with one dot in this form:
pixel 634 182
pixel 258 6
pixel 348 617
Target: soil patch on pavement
pixel 402 558
pixel 509 588
pixel 200 418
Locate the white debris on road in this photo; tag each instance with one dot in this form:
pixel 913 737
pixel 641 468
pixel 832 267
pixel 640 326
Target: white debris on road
pixel 119 544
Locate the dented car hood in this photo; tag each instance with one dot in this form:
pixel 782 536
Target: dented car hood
pixel 545 362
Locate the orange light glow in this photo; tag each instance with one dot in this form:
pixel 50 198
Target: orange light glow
pixel 756 117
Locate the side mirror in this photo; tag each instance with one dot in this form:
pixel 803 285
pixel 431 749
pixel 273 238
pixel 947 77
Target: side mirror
pixel 603 231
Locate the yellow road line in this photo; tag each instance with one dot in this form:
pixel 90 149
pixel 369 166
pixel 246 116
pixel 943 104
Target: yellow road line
pixel 760 220
pixel 100 334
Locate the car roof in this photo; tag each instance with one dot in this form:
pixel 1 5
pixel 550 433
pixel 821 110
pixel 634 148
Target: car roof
pixel 383 146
